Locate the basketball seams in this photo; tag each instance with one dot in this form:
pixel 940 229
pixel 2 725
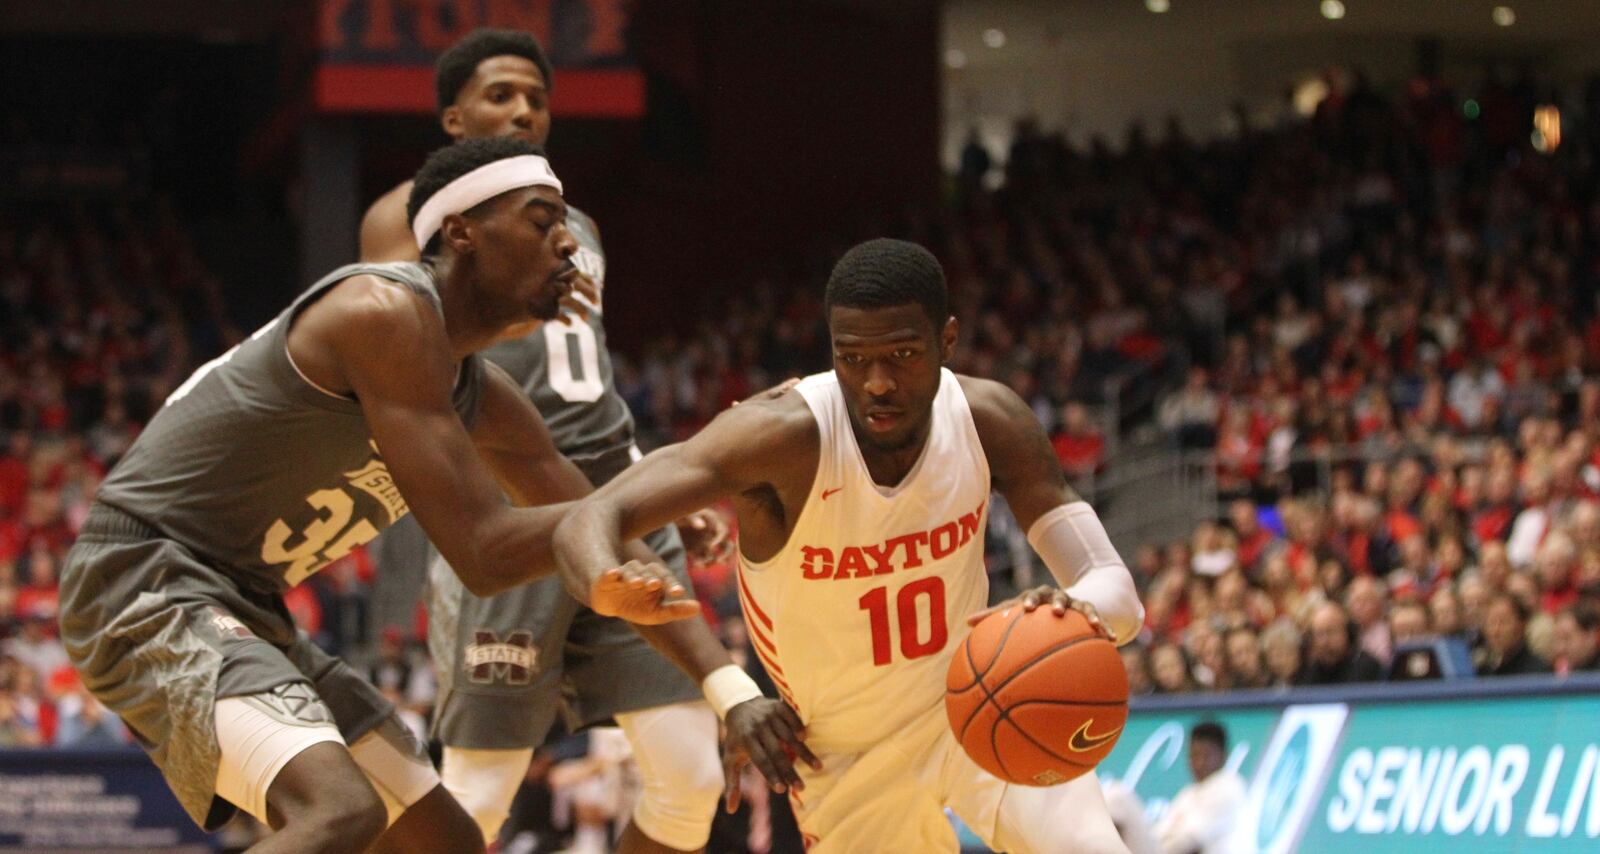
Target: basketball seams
pixel 966 643
pixel 1025 666
pixel 1005 717
pixel 994 747
pixel 989 694
pixel 977 677
pixel 998 647
pixel 1021 703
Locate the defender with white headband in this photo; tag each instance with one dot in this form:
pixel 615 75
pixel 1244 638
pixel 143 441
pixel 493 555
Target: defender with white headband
pixel 479 185
pixel 362 402
pixel 564 658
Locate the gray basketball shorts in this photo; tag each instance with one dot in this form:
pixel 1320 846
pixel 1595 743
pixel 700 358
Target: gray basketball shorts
pixel 509 662
pixel 158 636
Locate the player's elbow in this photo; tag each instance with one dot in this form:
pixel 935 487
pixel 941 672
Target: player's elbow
pixel 479 575
pixel 483 584
pixel 511 548
pixel 1127 625
pixel 500 573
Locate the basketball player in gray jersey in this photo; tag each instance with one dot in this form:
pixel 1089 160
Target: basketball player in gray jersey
pixel 362 402
pixel 508 662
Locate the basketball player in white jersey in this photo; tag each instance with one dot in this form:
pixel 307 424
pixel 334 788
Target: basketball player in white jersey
pixel 861 502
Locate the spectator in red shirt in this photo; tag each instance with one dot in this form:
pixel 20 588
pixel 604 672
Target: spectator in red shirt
pixel 1078 445
pixel 1492 520
pixel 14 473
pixel 1556 565
pixel 40 597
pixel 1253 539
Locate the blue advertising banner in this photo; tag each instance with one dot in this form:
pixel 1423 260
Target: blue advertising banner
pixel 1477 766
pixel 67 800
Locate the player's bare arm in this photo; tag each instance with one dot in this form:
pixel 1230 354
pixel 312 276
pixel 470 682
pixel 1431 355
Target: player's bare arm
pixel 513 440
pixel 763 454
pixel 385 234
pixel 346 343
pixel 1060 526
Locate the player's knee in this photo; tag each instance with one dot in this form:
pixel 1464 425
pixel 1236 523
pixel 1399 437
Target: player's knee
pixel 489 818
pixel 694 781
pixel 676 748
pixel 484 783
pixel 353 821
pixel 677 809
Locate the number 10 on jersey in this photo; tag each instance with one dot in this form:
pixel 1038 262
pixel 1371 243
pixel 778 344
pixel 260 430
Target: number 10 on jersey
pixel 908 610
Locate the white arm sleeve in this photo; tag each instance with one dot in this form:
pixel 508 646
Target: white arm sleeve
pixel 1075 547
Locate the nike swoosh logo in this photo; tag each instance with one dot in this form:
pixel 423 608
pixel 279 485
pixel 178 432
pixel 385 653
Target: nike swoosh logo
pixel 1083 742
pixel 828 492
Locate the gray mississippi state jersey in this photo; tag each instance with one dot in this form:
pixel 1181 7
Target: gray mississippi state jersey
pixel 264 475
pixel 566 369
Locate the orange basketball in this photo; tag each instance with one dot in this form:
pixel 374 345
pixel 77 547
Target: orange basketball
pixel 1034 698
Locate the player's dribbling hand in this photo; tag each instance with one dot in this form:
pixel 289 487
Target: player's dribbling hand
pixel 1060 602
pixel 768 734
pixel 643 593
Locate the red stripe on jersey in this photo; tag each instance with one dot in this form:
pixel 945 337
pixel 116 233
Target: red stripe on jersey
pixel 756 633
pixel 777 680
pixel 750 602
pixel 769 659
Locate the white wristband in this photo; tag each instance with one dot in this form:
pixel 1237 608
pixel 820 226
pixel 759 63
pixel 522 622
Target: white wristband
pixel 728 686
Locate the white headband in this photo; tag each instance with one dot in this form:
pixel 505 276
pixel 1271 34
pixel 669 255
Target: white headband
pixel 481 184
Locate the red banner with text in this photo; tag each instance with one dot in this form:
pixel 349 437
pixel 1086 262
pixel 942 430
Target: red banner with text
pixel 376 56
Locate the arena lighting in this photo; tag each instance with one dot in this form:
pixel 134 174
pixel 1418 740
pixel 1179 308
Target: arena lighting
pixel 1158 6
pixel 994 38
pixel 1333 10
pixel 955 58
pixel 1505 16
pixel 1546 136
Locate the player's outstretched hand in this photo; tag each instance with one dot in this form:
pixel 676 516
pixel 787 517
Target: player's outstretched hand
pixel 706 536
pixel 768 734
pixel 1059 603
pixel 643 593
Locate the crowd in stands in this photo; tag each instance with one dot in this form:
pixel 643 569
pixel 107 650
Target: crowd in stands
pixel 103 310
pixel 1406 410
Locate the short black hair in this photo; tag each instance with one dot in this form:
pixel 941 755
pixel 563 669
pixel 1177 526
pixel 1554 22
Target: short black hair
pixel 883 273
pixel 453 161
pixel 457 65
pixel 1210 731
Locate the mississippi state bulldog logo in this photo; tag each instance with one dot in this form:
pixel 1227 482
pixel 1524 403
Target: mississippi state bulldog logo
pixel 490 659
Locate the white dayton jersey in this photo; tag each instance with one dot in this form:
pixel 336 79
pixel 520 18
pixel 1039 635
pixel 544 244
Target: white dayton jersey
pixel 857 617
